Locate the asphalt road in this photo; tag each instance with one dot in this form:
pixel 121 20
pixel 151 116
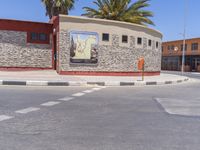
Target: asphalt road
pixel 112 118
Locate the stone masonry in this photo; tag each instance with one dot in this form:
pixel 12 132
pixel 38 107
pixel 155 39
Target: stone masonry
pixel 112 58
pixel 16 52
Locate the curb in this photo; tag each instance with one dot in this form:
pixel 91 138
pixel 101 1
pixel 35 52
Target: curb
pixel 82 83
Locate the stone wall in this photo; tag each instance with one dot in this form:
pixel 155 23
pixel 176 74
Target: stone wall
pixel 112 58
pixel 16 52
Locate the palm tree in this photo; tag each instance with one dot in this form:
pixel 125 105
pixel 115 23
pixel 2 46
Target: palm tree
pixel 56 7
pixel 121 10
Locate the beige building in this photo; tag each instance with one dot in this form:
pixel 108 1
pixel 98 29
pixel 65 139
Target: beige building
pixel 118 47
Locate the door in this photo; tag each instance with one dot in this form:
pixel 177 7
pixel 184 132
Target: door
pixel 195 63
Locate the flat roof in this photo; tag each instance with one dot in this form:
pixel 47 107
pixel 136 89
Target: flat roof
pixel 25 21
pixel 189 39
pixel 19 25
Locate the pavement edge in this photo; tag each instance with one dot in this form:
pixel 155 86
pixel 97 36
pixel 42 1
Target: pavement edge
pixel 83 83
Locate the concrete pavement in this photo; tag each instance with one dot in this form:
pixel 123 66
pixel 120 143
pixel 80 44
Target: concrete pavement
pixel 51 78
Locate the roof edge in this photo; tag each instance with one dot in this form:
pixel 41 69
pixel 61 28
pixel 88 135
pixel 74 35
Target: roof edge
pixel 111 21
pixel 25 21
pixel 195 38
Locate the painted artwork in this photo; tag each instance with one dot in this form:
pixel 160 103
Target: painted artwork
pixel 83 47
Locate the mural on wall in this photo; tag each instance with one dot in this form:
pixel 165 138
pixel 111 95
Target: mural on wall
pixel 83 47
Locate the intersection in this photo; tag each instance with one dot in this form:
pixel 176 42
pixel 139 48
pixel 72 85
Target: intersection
pixel 99 118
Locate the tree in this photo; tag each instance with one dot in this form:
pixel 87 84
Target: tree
pixel 56 7
pixel 121 10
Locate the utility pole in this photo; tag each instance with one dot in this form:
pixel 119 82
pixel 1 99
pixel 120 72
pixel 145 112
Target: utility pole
pixel 184 36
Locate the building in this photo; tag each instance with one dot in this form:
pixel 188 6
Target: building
pixel 25 45
pixel 172 55
pixel 79 46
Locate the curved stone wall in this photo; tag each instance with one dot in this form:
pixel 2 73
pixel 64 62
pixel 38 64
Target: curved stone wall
pixel 113 55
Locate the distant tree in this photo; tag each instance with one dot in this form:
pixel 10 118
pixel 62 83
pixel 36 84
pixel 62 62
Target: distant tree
pixel 56 7
pixel 121 10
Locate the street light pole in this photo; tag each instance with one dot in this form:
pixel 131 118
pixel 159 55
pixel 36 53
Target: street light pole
pixel 184 36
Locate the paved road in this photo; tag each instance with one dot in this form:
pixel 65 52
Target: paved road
pixel 112 118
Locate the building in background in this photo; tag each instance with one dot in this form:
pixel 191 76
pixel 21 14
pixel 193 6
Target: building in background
pixel 80 46
pixel 172 55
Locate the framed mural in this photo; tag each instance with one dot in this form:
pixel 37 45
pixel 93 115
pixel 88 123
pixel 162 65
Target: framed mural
pixel 83 47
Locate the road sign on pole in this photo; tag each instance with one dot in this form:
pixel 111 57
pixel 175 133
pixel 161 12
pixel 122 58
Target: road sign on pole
pixel 141 66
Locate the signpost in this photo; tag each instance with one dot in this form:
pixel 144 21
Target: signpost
pixel 141 66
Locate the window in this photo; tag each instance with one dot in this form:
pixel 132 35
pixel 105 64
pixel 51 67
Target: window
pixel 42 37
pixel 194 46
pixel 105 37
pixel 124 39
pixel 139 41
pixel 157 44
pixel 34 36
pixel 170 47
pixel 149 42
pixel 182 47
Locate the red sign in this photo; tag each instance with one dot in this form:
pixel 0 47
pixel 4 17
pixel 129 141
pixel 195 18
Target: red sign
pixel 140 63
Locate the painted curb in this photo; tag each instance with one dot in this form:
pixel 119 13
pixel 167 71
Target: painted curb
pixel 83 83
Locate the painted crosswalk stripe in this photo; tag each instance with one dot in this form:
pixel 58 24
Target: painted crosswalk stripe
pixel 78 94
pixel 103 87
pixel 51 103
pixel 27 110
pixel 96 89
pixel 5 117
pixel 87 91
pixel 66 99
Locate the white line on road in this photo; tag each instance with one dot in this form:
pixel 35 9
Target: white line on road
pixel 103 87
pixel 66 99
pixel 96 89
pixel 88 91
pixel 27 110
pixel 78 94
pixel 51 103
pixel 4 117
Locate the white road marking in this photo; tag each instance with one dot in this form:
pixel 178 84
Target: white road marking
pixel 27 110
pixel 180 107
pixel 78 94
pixel 96 89
pixel 4 117
pixel 88 91
pixel 66 99
pixel 37 83
pixel 51 103
pixel 103 87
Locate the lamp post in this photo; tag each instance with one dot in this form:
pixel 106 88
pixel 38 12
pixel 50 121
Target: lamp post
pixel 184 36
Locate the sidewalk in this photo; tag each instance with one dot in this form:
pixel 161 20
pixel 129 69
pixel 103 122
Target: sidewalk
pixel 51 78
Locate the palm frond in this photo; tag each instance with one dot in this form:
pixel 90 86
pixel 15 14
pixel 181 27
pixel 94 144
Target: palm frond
pixel 121 10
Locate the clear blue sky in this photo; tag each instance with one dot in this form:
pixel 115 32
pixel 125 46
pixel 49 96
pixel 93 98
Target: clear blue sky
pixel 168 14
